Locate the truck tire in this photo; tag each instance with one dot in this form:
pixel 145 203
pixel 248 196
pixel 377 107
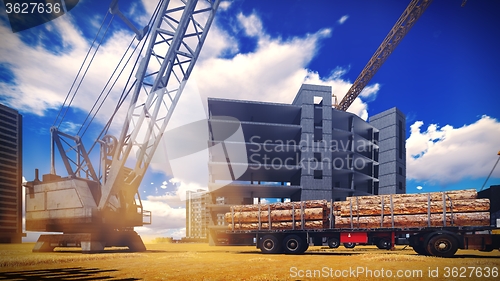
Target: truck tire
pixel 384 244
pixel 418 244
pixel 306 246
pixel 349 245
pixel 270 244
pixel 294 244
pixel 333 242
pixel 419 249
pixel 442 245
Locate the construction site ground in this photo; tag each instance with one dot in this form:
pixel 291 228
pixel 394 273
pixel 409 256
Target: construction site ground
pixel 165 261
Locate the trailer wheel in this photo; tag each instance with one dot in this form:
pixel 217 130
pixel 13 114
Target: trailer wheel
pixel 384 244
pixel 293 244
pixel 418 244
pixel 419 249
pixel 270 244
pixel 333 242
pixel 442 245
pixel 349 245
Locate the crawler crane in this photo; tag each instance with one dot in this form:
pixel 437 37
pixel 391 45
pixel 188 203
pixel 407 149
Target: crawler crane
pixel 98 208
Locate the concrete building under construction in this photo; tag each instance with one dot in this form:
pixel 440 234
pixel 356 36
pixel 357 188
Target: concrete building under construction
pixel 11 228
pixel 302 151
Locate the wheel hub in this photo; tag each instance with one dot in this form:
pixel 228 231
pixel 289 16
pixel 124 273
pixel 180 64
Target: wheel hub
pixel 268 244
pixel 442 245
pixel 292 244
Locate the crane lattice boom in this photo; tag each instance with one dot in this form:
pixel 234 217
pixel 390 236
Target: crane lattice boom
pixel 405 22
pixel 160 80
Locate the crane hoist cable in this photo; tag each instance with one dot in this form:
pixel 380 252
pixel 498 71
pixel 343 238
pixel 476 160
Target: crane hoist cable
pixel 494 166
pixel 122 97
pixel 84 127
pixel 78 74
pixel 86 71
pixel 125 92
pixel 79 70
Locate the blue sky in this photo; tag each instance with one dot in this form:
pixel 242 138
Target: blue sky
pixel 443 76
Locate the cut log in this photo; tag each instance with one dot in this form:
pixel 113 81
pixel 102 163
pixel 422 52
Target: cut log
pixel 279 225
pixel 409 198
pixel 276 215
pixel 337 205
pixel 455 206
pixel 409 221
pixel 408 211
pixel 281 206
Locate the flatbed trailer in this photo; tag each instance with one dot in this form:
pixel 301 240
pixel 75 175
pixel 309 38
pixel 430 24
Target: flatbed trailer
pixel 439 241
pixel 430 241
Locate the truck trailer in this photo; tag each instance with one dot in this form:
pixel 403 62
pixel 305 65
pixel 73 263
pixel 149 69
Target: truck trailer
pixel 433 224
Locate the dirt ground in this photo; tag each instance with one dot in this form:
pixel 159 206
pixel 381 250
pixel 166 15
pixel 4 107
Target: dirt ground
pixel 203 262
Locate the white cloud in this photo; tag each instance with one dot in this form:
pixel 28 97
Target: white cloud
pixel 224 5
pixel 149 6
pixel 343 19
pixel 218 43
pixel 338 72
pixel 252 25
pixel 69 127
pixel 370 92
pixel 43 78
pixel 168 211
pixel 178 197
pixel 165 220
pixel 273 72
pixel 447 154
pixel 264 201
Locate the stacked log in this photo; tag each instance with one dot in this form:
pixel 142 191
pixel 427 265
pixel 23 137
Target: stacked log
pixel 460 208
pixel 281 206
pixel 436 209
pixel 411 221
pixel 275 215
pixel 288 215
pixel 280 225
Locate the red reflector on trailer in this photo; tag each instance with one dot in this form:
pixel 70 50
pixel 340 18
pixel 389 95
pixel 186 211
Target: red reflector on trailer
pixel 353 237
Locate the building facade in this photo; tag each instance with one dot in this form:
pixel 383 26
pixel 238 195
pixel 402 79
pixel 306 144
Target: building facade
pixel 11 228
pixel 301 151
pixel 392 150
pixel 197 214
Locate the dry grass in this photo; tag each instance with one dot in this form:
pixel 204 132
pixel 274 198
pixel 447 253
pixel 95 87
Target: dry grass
pixel 202 262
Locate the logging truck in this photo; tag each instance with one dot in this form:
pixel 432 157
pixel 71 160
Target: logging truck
pixel 433 224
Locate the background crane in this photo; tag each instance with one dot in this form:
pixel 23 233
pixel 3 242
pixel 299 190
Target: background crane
pixel 405 22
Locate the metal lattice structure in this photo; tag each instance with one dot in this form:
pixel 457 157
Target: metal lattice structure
pixel 405 22
pixel 181 31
